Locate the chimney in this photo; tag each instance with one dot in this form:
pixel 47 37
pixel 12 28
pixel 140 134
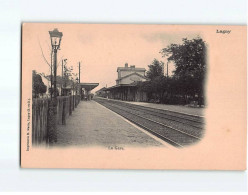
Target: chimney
pixel 132 66
pixel 126 65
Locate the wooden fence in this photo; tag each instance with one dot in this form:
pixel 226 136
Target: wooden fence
pixel 39 120
pixel 40 117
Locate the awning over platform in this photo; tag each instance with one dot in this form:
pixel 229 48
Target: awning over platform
pixel 88 86
pixel 120 85
pixel 126 92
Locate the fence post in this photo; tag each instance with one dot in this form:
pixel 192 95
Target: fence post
pixel 70 111
pixel 34 121
pixel 72 102
pixel 51 122
pixel 75 101
pixel 63 112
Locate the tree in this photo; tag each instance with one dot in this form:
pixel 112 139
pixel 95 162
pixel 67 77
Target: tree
pixel 155 87
pixel 155 69
pixel 67 76
pixel 38 86
pixel 190 63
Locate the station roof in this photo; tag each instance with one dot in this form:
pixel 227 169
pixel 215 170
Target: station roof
pixel 121 85
pixel 134 73
pixel 89 86
pixel 102 89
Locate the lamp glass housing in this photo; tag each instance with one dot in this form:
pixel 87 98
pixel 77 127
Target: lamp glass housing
pixel 56 37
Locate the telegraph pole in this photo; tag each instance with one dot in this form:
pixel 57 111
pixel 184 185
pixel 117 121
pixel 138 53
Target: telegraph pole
pixel 79 71
pixel 80 90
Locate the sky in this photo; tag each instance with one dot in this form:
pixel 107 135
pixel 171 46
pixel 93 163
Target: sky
pixel 101 48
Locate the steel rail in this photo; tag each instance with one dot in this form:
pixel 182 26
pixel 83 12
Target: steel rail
pixel 113 107
pixel 150 130
pixel 151 112
pixel 160 111
pixel 161 124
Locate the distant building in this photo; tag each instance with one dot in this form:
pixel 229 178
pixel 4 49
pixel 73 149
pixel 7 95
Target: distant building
pixel 128 75
pixel 126 84
pixel 102 92
pixel 85 90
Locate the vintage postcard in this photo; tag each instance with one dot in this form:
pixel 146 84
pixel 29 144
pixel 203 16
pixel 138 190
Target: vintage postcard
pixel 126 96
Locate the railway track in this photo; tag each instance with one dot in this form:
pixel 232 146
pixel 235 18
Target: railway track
pixel 175 128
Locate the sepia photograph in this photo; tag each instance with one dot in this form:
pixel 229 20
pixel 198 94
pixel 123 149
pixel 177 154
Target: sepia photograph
pixel 118 87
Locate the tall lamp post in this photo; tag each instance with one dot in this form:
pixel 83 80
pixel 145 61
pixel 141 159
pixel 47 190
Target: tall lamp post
pixel 55 36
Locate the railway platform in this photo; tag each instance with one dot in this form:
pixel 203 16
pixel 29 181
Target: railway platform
pixel 91 124
pixel 174 108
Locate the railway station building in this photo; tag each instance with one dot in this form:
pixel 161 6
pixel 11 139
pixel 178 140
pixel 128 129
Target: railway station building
pixel 126 87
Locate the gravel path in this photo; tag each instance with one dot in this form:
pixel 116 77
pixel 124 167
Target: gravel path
pixel 93 125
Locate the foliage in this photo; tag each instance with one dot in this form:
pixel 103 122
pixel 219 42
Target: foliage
pixel 155 86
pixel 67 81
pixel 38 86
pixel 190 63
pixel 51 91
pixel 189 57
pixel 155 69
pixel 187 83
pixel 67 76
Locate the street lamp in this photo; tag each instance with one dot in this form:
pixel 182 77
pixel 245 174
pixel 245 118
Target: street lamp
pixel 56 37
